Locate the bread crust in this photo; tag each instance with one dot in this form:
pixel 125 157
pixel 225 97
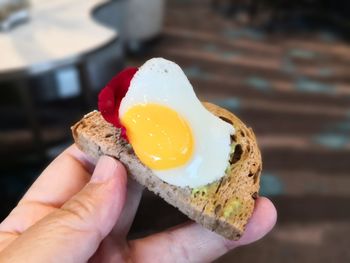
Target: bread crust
pixel 224 206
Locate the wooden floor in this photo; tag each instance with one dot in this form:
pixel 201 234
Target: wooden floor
pixel 294 90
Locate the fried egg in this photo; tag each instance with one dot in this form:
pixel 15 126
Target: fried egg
pixel 170 130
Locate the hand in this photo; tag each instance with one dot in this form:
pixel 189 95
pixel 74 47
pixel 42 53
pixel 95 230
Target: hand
pixel 68 215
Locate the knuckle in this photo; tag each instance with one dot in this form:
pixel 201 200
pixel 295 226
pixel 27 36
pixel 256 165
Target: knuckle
pixel 180 253
pixel 78 216
pixel 80 208
pixel 81 214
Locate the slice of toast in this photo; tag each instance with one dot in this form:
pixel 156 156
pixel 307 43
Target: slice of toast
pixel 223 206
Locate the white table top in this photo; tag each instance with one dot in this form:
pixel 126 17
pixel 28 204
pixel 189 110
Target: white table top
pixel 59 31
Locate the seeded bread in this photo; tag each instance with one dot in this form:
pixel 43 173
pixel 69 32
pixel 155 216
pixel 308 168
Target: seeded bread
pixel 223 206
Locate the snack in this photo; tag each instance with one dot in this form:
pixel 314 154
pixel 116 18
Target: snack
pixel 198 157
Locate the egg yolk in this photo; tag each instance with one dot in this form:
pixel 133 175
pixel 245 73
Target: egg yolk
pixel 160 137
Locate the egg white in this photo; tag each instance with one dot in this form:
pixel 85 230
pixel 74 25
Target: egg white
pixel 163 82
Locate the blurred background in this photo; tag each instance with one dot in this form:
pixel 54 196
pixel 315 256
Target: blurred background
pixel 282 66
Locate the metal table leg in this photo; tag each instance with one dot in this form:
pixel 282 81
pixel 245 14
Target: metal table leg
pixel 86 88
pixel 31 115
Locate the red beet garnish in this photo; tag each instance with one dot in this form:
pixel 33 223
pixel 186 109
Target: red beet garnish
pixel 111 96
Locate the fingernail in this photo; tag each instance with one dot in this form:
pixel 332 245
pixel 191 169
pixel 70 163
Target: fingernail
pixel 105 169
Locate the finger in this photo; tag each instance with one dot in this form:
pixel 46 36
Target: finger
pixel 6 239
pixel 63 178
pixel 262 221
pixel 23 217
pixel 193 243
pixel 133 197
pixel 74 232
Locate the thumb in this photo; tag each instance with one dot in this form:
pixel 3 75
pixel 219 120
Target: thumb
pixel 74 232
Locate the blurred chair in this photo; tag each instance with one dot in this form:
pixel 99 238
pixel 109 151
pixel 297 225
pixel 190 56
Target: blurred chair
pixel 143 22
